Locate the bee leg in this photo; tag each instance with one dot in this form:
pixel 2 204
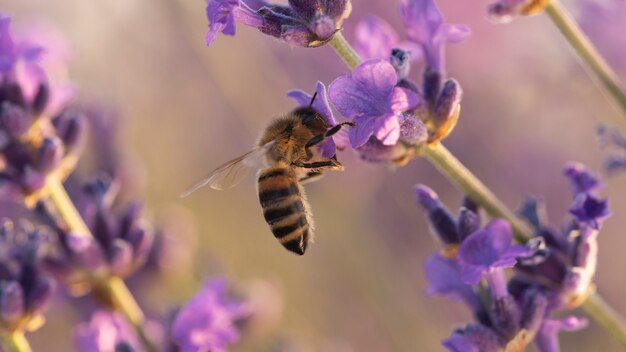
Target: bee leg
pixel 331 164
pixel 321 137
pixel 311 176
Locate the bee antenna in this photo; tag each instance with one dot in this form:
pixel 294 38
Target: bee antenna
pixel 313 99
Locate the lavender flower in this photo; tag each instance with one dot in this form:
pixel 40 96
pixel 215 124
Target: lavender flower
pixel 487 250
pixel 451 231
pixel 26 160
pixel 207 322
pixel 308 23
pixel 425 26
pixel 511 314
pixel 327 148
pixel 25 290
pixel 375 39
pixel 121 238
pixel 444 278
pixel 106 332
pixel 369 97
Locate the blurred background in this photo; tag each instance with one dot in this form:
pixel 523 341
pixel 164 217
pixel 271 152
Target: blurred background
pixel 180 109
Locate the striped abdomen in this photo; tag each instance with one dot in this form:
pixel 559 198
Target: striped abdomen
pixel 285 208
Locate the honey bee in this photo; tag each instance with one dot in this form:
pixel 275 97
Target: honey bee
pixel 286 160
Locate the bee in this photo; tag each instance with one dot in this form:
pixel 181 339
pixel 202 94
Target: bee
pixel 286 160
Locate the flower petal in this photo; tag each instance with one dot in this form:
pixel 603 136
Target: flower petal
pixel 403 99
pixel 374 38
pixel 387 129
pixel 362 131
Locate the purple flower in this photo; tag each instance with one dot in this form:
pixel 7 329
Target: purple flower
pixel 222 15
pixel 369 97
pixel 424 24
pixel 105 332
pixel 581 179
pixel 589 210
pixel 443 224
pixel 547 336
pixel 10 51
pixel 444 278
pixel 25 290
pixel 488 249
pixel 375 38
pixel 207 322
pixel 121 238
pixel 307 23
pixel 320 104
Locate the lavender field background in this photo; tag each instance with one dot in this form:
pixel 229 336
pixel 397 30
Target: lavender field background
pixel 181 108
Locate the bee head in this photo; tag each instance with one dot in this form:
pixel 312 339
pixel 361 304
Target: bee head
pixel 311 118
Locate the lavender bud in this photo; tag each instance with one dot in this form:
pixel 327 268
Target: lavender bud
pixel 431 85
pixel 470 204
pixel 41 99
pixel 141 241
pixel 40 295
pixel 13 120
pixel 534 211
pixel 12 93
pixel 581 179
pixel 50 154
pixel 400 61
pixel 534 310
pixel 505 316
pixel 447 103
pixel 441 221
pixel 70 127
pixel 32 179
pixel 468 222
pixel 11 301
pixel 121 256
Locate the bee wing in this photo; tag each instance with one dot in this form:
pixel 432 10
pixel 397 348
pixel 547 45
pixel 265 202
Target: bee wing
pixel 231 173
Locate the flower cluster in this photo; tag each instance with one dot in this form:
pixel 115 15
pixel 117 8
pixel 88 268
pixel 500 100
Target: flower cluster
pixel 37 136
pixel 553 271
pixel 25 290
pixel 121 238
pixel 307 23
pixel 207 322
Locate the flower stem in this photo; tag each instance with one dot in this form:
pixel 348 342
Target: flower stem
pixel 113 286
pixel 606 317
pixel 345 50
pixel 587 52
pixel 15 342
pixel 463 178
pixel 124 301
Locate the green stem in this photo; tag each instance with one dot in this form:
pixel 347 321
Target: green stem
pixel 15 342
pixel 124 301
pixel 463 178
pixel 114 287
pixel 606 317
pixel 587 52
pixel 345 50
